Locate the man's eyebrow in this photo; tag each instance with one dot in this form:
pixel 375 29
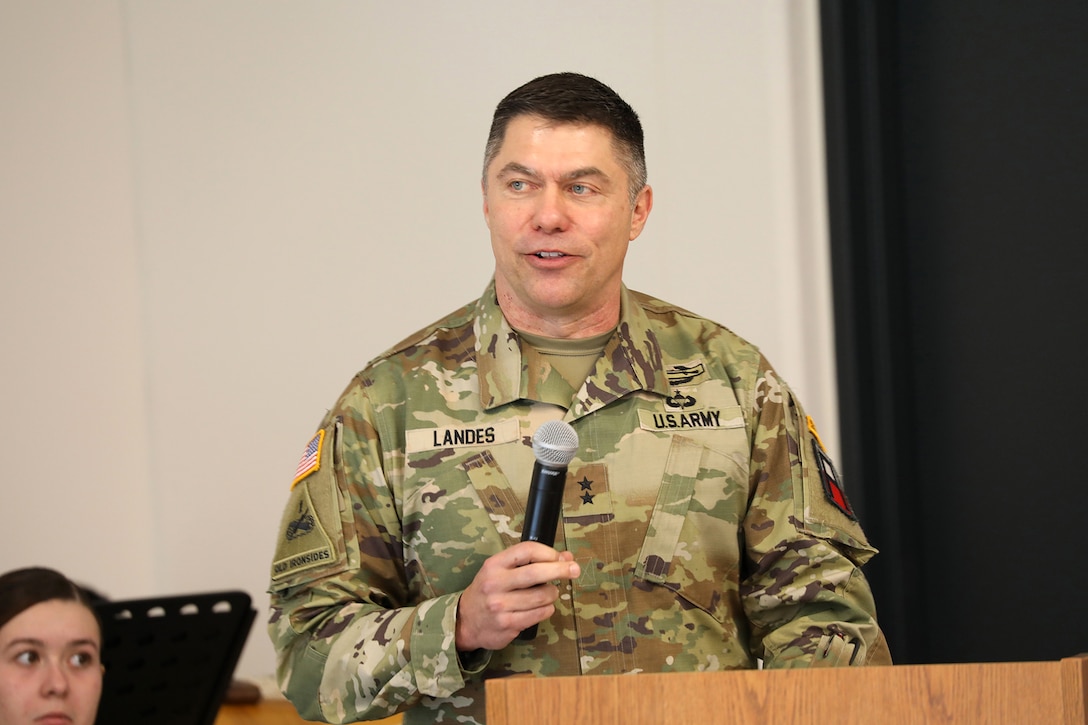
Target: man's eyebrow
pixel 515 168
pixel 583 173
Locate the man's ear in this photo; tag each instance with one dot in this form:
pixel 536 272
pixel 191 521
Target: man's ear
pixel 487 211
pixel 644 202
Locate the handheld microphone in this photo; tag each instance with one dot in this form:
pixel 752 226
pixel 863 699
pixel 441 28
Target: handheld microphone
pixel 554 445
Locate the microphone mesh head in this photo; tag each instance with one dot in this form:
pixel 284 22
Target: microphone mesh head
pixel 555 443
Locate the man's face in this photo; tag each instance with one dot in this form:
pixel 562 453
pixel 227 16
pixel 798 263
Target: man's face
pixel 557 203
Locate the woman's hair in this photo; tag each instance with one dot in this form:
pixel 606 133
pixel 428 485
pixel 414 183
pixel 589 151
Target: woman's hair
pixel 21 589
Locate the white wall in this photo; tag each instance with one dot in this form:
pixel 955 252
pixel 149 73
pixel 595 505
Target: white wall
pixel 214 212
pixel 75 489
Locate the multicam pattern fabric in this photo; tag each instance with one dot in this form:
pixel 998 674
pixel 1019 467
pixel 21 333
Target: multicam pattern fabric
pixel 695 507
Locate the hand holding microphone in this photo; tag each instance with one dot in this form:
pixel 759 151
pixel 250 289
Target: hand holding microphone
pixel 554 446
pixel 516 585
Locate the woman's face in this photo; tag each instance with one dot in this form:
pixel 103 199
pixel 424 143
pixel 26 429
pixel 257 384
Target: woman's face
pixel 50 665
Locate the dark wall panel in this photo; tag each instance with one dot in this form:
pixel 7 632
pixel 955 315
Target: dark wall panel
pixel 982 110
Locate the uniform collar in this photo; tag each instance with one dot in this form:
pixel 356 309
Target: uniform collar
pixel 631 360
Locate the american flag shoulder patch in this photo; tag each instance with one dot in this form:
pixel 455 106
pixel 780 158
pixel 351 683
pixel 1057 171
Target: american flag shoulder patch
pixel 311 458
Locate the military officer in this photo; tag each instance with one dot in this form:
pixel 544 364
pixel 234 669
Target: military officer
pixel 703 525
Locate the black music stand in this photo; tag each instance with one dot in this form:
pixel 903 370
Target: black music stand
pixel 170 660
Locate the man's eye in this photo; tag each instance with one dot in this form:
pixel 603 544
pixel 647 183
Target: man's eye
pixel 579 189
pixel 517 185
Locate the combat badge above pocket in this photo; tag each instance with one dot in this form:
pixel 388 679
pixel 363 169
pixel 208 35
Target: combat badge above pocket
pixel 310 544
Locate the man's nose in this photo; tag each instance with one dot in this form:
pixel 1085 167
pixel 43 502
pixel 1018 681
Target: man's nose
pixel 551 211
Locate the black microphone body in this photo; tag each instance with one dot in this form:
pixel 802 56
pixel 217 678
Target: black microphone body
pixel 545 503
pixel 554 445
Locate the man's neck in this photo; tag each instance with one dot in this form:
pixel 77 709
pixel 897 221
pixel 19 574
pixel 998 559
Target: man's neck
pixel 597 322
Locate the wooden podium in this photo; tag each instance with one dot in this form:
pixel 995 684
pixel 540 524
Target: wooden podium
pixel 1003 693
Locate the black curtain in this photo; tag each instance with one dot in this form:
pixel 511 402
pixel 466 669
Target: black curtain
pixel 957 148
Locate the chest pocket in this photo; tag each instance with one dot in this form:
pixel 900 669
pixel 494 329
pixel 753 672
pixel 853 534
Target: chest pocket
pixel 458 509
pixel 692 540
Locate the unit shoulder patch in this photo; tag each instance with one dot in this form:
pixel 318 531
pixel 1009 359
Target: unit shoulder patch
pixel 304 541
pixel 311 536
pixel 829 477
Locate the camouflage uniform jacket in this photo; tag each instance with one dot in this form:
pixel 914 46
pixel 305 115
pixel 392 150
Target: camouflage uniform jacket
pixel 701 507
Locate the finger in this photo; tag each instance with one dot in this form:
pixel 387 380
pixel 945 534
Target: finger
pixel 531 575
pixel 528 552
pixel 529 617
pixel 532 601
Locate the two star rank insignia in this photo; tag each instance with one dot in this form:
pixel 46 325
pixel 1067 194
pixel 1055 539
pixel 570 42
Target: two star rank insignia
pixel 587 486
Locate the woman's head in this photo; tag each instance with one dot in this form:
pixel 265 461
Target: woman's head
pixel 50 650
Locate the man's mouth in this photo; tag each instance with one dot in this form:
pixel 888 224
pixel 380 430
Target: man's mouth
pixel 549 255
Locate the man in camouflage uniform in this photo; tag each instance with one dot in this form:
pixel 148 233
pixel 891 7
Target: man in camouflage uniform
pixel 703 526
